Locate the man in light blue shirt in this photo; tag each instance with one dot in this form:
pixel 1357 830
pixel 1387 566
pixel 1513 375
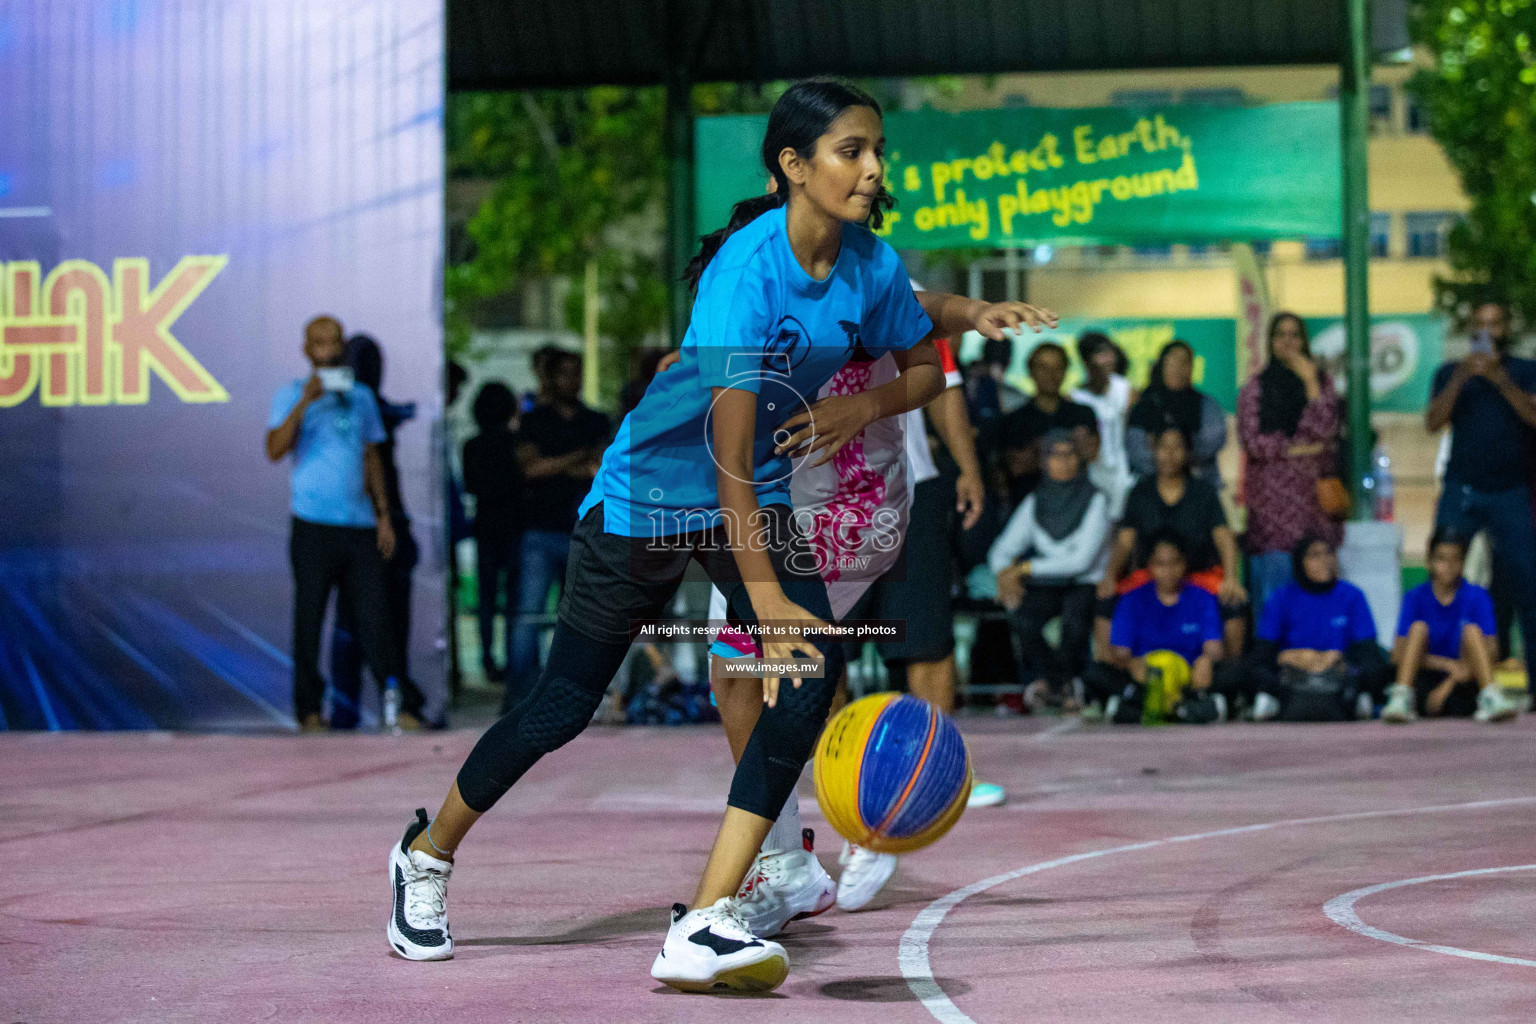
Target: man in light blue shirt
pixel 341 531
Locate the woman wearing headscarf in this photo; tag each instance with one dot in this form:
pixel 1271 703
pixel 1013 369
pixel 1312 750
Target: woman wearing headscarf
pixel 1315 625
pixel 1171 400
pixel 1048 561
pixel 1287 418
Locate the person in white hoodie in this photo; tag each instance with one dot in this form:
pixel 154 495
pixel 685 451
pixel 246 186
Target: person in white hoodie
pixel 1049 560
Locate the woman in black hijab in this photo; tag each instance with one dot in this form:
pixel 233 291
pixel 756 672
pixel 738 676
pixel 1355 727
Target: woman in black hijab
pixel 1171 400
pixel 1315 626
pixel 1287 417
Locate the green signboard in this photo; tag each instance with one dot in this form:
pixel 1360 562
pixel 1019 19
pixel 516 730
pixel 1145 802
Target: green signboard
pixel 1405 351
pixel 987 178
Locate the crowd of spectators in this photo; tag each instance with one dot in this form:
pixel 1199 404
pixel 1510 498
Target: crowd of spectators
pixel 1115 527
pixel 1106 537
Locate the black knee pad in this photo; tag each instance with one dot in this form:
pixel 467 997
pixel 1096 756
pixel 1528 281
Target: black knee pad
pixel 558 715
pixel 553 713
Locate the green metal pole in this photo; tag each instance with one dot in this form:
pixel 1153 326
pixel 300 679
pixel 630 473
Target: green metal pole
pixel 1354 118
pixel 680 229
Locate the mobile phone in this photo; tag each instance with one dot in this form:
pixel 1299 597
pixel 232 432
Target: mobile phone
pixel 335 378
pixel 1482 343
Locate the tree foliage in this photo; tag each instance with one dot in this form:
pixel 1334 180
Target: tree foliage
pixel 570 168
pixel 581 178
pixel 1480 96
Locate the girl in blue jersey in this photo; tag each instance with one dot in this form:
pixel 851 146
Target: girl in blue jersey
pixel 1316 625
pixel 791 289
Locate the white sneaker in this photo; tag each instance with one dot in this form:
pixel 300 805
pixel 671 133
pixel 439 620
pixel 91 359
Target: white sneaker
pixel 1220 700
pixel 1364 707
pixel 784 887
pixel 712 948
pixel 1265 707
pixel 986 794
pixel 865 873
pixel 1494 705
pixel 1399 709
pixel 418 928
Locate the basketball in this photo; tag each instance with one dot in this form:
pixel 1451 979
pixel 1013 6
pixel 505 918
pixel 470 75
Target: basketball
pixel 892 773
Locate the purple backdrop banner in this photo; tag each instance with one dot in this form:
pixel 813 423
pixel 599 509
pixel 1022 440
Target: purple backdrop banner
pixel 183 183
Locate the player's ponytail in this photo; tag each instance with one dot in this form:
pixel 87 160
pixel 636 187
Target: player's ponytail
pixel 800 117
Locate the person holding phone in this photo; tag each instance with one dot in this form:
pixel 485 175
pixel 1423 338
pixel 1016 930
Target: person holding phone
pixel 341 531
pixel 1488 399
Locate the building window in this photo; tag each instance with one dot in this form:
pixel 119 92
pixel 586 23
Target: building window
pixel 1016 99
pixel 1427 233
pixel 1380 106
pixel 1152 251
pixel 1261 246
pixel 1324 248
pixel 1418 115
pixel 1381 235
pixel 1227 97
pixel 1141 97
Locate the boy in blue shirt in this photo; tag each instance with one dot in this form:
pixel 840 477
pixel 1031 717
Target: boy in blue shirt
pixel 1167 614
pixel 1445 645
pixel 341 531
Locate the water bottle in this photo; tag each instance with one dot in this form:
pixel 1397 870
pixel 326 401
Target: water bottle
pixel 1381 484
pixel 1153 703
pixel 392 705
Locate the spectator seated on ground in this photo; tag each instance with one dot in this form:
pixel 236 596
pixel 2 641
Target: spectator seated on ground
pixel 1048 560
pixel 1169 613
pixel 1174 500
pixel 1445 645
pixel 1314 654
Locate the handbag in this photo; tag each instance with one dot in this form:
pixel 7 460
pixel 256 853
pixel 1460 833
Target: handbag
pixel 1317 696
pixel 1333 497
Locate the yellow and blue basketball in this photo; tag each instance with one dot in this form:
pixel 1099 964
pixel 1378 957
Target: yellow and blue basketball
pixel 892 773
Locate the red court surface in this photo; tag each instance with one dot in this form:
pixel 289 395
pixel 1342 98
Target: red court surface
pixel 219 878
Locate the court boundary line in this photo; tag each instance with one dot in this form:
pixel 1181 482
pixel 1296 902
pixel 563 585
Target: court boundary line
pixel 1341 911
pixel 913 957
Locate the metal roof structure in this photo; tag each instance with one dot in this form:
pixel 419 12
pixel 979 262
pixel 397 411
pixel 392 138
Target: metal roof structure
pixel 518 44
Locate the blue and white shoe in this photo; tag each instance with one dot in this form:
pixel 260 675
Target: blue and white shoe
pixel 418 927
pixel 711 948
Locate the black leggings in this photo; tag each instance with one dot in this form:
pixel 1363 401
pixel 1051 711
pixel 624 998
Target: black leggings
pixel 613 586
pixel 1260 672
pixel 1042 603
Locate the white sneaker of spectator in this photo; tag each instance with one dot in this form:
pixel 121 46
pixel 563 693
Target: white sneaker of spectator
pixel 1265 707
pixel 1399 709
pixel 1494 705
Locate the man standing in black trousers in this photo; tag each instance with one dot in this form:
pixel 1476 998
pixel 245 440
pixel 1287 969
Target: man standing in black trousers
pixel 560 444
pixel 341 529
pixel 366 359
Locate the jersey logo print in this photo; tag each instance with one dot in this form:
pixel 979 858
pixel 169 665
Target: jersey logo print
pixel 788 345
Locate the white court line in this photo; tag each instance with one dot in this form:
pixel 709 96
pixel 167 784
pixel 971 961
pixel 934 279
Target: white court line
pixel 1341 910
pixel 913 957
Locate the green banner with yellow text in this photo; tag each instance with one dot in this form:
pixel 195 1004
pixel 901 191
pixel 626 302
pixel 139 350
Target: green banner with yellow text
pixel 1011 176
